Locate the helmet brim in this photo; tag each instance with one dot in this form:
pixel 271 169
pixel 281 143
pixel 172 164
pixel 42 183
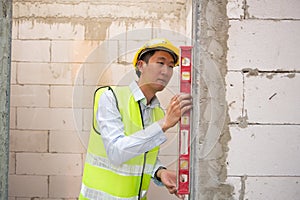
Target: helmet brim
pixel 172 53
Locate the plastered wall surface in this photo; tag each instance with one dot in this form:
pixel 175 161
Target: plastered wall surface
pixel 63 50
pixel 263 98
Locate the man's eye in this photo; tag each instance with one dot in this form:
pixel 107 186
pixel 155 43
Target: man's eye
pixel 161 63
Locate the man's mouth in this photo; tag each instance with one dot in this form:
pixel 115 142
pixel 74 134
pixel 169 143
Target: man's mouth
pixel 162 82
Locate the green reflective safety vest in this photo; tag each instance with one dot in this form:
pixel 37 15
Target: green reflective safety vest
pixel 102 180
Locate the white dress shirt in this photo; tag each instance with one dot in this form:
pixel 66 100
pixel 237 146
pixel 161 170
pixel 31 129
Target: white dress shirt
pixel 121 148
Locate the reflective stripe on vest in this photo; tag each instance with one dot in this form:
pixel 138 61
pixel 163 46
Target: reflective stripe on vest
pixel 125 169
pixel 100 195
pixel 102 180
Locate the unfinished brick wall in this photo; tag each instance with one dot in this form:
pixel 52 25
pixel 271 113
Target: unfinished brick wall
pixel 54 75
pixel 55 70
pixel 263 96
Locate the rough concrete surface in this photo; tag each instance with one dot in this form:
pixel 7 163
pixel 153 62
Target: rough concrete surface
pixel 214 132
pixel 5 48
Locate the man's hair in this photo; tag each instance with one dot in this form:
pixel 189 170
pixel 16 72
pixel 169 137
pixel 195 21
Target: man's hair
pixel 145 57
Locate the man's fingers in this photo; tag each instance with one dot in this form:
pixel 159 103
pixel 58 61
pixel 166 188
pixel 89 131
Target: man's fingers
pixel 185 109
pixel 181 97
pixel 172 190
pixel 185 103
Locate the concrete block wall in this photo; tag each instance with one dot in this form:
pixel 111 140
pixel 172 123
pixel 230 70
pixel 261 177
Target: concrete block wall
pixel 263 97
pixel 61 51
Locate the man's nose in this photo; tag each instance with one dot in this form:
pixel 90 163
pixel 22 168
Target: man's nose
pixel 164 69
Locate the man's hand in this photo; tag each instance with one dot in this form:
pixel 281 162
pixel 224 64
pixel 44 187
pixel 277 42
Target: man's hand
pixel 168 178
pixel 178 105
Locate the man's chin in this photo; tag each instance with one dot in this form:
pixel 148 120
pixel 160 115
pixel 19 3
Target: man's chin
pixel 160 87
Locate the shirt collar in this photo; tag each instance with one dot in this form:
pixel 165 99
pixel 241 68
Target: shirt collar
pixel 139 96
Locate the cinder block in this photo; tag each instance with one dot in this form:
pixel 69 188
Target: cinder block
pixel 76 96
pixel 176 35
pixel 31 50
pixel 12 118
pixel 129 44
pixel 12 163
pixel 256 38
pixel 110 77
pixel 83 96
pixel 234 94
pixel 65 142
pixel 49 118
pixel 48 164
pixel 170 147
pixel 93 72
pixel 169 161
pixel 72 51
pixel 45 73
pixel 166 95
pixel 49 9
pixel 275 188
pixel 117 74
pixel 271 98
pixel 128 77
pixel 111 74
pixel 189 22
pixel 61 96
pixel 84 139
pixel 87 119
pixel 117 28
pixel 105 53
pixel 36 141
pixel 64 186
pixel 274 9
pixel 97 29
pixel 145 34
pixel 15 29
pixel 79 10
pixel 264 150
pixel 120 11
pixel 156 192
pixel 13 73
pixel 40 30
pixel 29 96
pixel 235 9
pixel 97 10
pixel 175 80
pixel 83 159
pixel 28 186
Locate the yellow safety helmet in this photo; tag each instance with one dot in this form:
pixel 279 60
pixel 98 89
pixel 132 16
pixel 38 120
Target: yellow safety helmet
pixel 157 44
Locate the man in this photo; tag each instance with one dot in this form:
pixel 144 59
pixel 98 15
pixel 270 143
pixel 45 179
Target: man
pixel 128 128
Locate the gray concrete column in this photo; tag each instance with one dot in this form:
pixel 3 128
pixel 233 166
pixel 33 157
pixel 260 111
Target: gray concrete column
pixel 5 63
pixel 210 134
pixel 195 136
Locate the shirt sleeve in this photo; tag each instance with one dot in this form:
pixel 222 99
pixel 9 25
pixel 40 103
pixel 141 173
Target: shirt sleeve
pixel 121 148
pixel 157 165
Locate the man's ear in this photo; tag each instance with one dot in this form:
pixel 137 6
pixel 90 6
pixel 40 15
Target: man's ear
pixel 140 65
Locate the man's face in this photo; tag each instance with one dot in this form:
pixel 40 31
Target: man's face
pixel 158 72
